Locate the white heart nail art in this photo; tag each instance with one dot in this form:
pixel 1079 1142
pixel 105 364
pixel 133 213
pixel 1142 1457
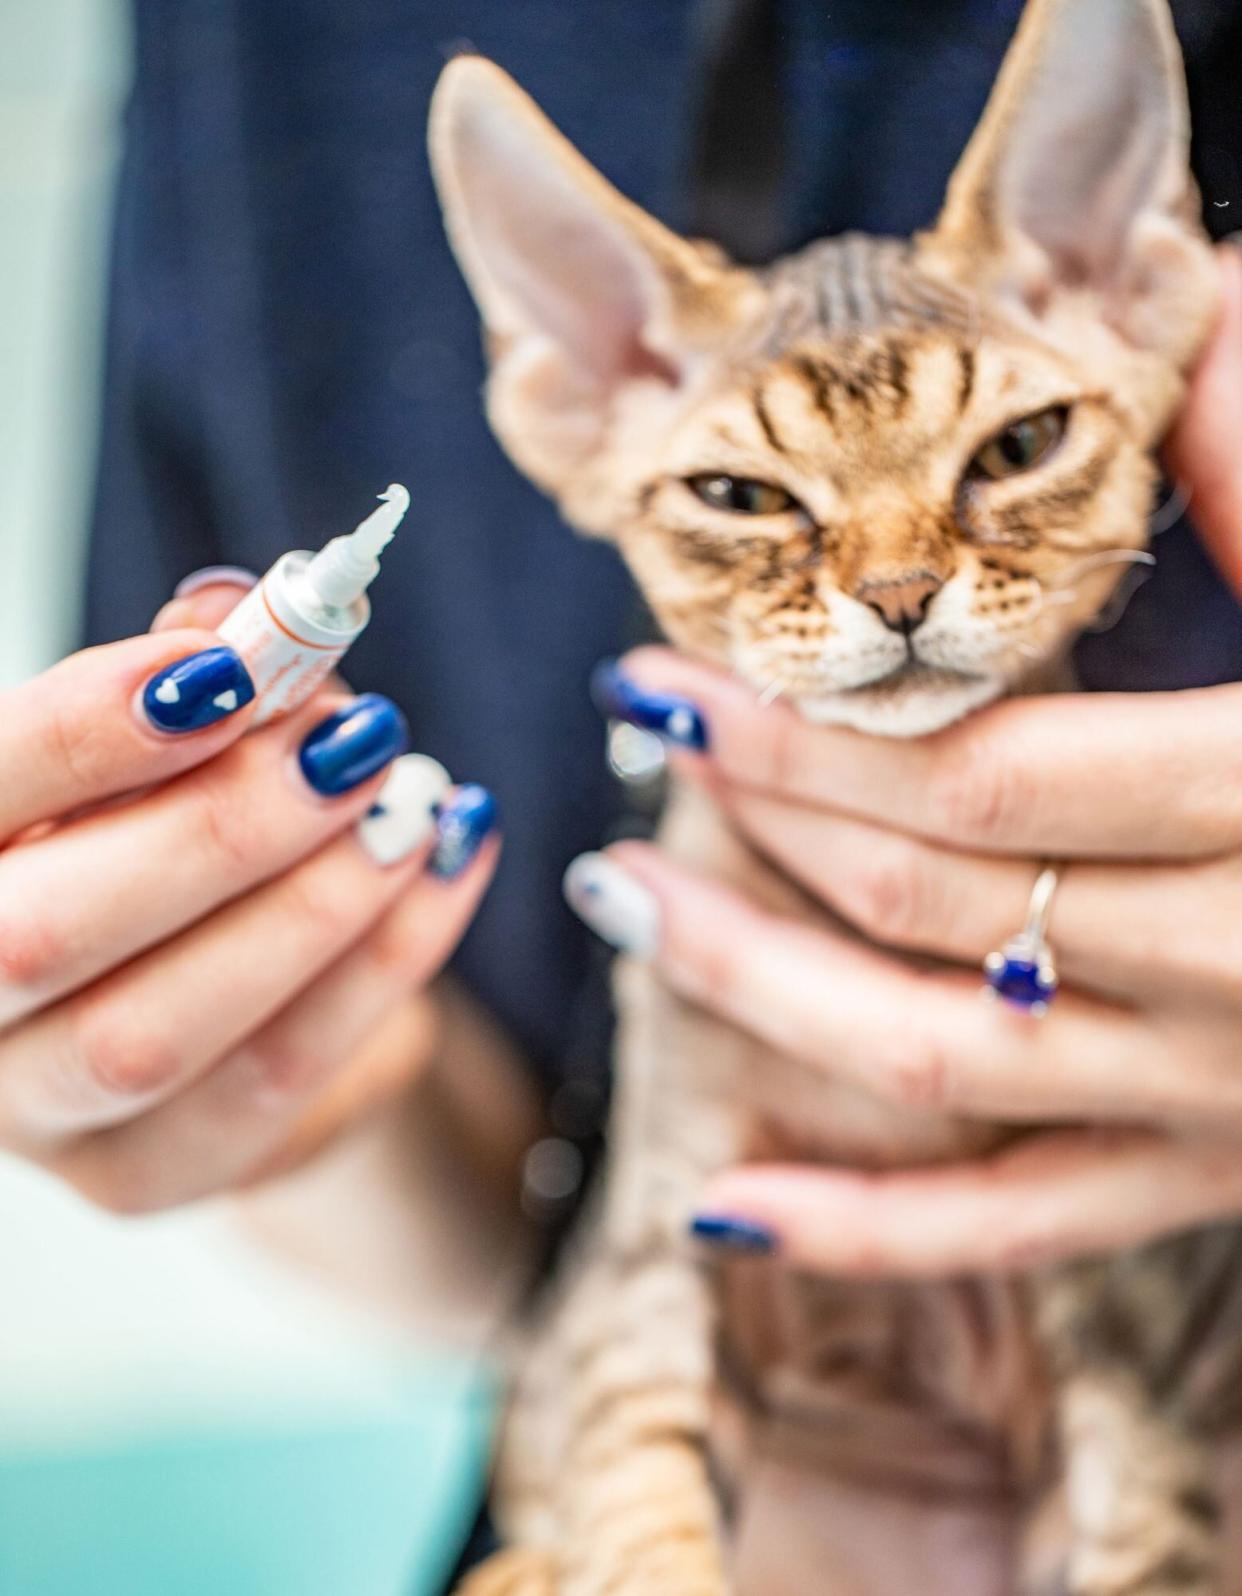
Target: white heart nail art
pixel 614 905
pixel 168 692
pixel 402 818
pixel 226 700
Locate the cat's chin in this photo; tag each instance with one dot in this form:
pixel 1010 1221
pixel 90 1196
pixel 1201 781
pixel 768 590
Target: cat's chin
pixel 920 701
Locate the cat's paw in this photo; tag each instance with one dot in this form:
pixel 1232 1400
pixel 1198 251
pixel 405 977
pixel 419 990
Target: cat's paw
pixel 520 1572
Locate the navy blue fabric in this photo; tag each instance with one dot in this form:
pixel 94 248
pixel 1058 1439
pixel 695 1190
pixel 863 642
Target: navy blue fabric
pixel 288 333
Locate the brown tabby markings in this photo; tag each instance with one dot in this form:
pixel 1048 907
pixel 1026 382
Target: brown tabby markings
pixel 860 377
pixel 859 337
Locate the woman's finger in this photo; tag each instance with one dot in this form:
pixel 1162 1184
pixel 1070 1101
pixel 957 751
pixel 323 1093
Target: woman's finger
pixel 242 1114
pixel 1062 776
pixel 391 1059
pixel 1044 1198
pixel 141 872
pixel 208 597
pixel 146 1031
pixel 113 719
pixel 925 1041
pixel 1137 933
pixel 205 598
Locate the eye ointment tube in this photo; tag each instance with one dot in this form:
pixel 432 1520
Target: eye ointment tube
pixel 294 626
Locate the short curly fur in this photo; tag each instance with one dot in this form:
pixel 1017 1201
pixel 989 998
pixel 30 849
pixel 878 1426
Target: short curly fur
pixel 1068 276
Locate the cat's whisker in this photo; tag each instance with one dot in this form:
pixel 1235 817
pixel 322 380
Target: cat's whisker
pixel 1119 603
pixel 854 369
pixel 1045 601
pixel 1052 601
pixel 771 693
pixel 1172 510
pixel 1096 561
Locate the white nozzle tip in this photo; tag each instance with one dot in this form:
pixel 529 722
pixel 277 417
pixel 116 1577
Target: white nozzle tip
pixel 375 533
pixel 343 570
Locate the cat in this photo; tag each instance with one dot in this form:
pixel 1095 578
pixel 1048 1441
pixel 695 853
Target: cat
pixel 889 478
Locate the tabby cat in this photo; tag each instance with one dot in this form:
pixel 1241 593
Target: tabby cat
pixel 889 477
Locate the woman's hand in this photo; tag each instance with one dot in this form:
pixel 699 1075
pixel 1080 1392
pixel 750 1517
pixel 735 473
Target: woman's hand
pixel 933 847
pixel 199 929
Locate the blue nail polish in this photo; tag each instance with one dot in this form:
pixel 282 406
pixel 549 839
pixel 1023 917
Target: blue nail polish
pixel 734 1235
pixel 361 738
pixel 197 691
pixel 677 720
pixel 462 827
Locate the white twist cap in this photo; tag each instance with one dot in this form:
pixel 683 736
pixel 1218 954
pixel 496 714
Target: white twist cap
pixel 343 570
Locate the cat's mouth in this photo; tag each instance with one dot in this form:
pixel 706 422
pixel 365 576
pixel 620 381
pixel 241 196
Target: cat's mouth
pixel 914 672
pixel 910 701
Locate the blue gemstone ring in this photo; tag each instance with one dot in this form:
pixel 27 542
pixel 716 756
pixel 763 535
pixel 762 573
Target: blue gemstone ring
pixel 1022 972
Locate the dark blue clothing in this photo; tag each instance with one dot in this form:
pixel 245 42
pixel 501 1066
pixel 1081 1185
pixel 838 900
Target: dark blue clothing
pixel 289 333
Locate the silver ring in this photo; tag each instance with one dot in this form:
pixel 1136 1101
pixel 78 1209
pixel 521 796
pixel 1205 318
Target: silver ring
pixel 1022 972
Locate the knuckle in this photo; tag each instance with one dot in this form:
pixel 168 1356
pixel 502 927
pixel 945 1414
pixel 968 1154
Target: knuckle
pixel 229 843
pixel 1020 1246
pixel 705 968
pixel 716 973
pixel 321 901
pixel 917 1074
pixel 84 745
pixel 395 952
pixel 121 1058
pixel 883 895
pixel 278 1072
pixel 228 830
pixel 29 953
pixel 978 790
pixel 784 756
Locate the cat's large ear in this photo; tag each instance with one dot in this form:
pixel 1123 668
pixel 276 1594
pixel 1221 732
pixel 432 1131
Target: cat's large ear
pixel 582 292
pixel 1078 174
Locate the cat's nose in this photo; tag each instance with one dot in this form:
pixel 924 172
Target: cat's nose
pixel 901 602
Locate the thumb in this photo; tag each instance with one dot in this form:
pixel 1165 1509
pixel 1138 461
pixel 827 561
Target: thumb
pixel 1203 450
pixel 205 598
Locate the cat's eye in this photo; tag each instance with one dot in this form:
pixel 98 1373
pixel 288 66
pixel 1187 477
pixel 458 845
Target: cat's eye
pixel 741 495
pixel 1021 445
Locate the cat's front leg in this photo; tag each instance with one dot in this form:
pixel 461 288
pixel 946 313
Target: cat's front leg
pixel 637 1512
pixel 521 1571
pixel 604 1481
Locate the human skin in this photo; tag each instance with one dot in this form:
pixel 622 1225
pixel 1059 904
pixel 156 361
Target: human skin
pixel 933 847
pixel 192 975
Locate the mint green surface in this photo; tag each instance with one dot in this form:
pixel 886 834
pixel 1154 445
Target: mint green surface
pixel 368 1510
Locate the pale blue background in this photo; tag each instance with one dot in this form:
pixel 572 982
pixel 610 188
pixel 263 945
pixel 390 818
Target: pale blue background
pixel 178 1416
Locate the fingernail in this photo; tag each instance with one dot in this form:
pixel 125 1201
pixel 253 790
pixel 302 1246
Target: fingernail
pixel 615 906
pixel 727 1234
pixel 353 744
pixel 403 815
pixel 462 827
pixel 677 720
pixel 237 575
pixel 197 691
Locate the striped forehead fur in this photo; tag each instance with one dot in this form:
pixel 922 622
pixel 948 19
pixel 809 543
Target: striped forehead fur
pixel 856 283
pixel 794 459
